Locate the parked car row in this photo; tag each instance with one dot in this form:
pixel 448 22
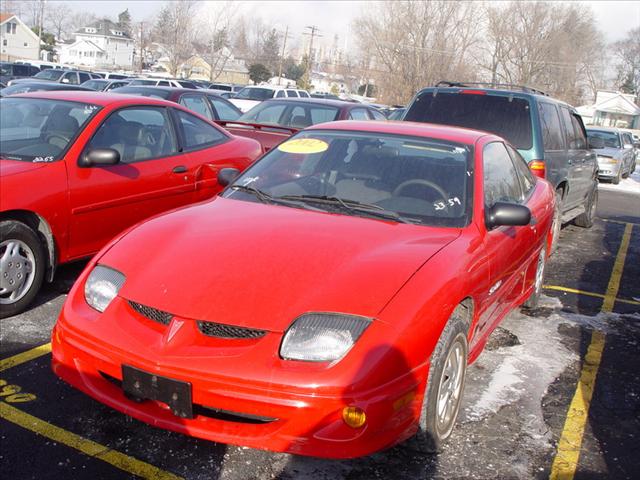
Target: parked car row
pixel 616 152
pixel 354 270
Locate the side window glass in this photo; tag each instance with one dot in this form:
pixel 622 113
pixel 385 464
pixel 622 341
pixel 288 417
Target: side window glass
pixel 163 83
pixel 626 139
pixel 84 77
pixel 72 77
pixel 291 93
pixel 198 104
pixel 299 117
pixel 198 133
pixel 270 114
pixel 580 134
pixel 527 180
pixel 223 110
pixel 569 132
pixel 377 115
pixel 303 94
pixel 280 94
pixel 139 133
pixel 500 178
pixel 358 114
pixel 551 130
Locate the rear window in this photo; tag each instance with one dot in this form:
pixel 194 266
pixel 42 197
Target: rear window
pixel 505 116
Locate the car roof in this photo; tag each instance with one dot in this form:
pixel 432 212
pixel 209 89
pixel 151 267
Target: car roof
pixel 496 91
pixel 465 136
pixel 155 88
pixel 315 101
pixel 96 98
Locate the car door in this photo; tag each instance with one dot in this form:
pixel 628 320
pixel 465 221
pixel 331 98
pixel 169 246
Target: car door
pixel 507 247
pixel 628 153
pixel 578 157
pixel 152 177
pixel 208 149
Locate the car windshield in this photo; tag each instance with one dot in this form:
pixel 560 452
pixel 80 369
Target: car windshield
pixel 290 114
pixel 393 177
pixel 611 139
pixel 254 93
pixel 94 84
pixel 50 74
pixel 506 116
pixel 40 130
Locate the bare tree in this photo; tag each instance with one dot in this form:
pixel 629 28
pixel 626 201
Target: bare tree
pixel 174 29
pixel 58 19
pixel 628 69
pixel 214 29
pixel 411 44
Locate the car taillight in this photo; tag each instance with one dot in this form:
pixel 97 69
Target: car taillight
pixel 538 168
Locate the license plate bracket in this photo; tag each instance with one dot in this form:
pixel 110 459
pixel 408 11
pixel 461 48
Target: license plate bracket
pixel 142 385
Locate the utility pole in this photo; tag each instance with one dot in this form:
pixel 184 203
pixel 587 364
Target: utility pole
pixel 284 44
pixel 141 46
pixel 314 33
pixel 40 22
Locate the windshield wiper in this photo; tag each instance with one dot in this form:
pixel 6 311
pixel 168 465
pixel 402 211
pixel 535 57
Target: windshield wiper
pixel 264 197
pixel 354 206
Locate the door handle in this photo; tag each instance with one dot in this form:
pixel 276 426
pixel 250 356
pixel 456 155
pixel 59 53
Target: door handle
pixel 179 169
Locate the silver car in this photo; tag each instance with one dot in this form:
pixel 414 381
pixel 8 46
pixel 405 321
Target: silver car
pixel 616 156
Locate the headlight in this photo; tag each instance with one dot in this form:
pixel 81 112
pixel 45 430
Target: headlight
pixel 102 286
pixel 607 159
pixel 322 337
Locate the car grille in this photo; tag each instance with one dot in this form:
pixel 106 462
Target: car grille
pixel 212 329
pixel 152 313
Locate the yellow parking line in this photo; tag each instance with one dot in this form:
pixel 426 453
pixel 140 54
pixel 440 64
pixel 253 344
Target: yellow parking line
pixel 25 357
pixel 589 294
pixel 88 447
pixel 565 462
pixel 616 275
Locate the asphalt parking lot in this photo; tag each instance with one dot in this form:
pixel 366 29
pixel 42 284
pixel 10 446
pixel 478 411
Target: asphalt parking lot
pixel 555 395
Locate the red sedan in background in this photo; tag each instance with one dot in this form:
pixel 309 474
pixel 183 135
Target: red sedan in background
pixel 78 168
pixel 327 303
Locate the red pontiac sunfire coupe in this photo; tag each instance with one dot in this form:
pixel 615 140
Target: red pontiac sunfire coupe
pixel 326 303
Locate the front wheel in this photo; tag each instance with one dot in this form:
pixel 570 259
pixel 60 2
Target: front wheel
pixel 531 303
pixel 22 265
pixel 445 384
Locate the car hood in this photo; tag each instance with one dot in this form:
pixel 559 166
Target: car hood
pixel 244 105
pixel 260 266
pixel 610 152
pixel 13 167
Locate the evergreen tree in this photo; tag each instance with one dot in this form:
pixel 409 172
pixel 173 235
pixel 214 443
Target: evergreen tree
pixel 124 21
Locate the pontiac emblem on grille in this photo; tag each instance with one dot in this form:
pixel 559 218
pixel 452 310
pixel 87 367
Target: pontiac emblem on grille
pixel 173 328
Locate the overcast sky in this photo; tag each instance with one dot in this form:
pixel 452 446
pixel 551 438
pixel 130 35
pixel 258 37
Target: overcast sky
pixel 615 18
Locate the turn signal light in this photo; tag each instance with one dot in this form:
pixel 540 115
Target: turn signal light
pixel 538 168
pixel 354 416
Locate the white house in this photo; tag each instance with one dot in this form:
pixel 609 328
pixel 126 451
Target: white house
pixel 611 109
pixel 16 39
pixel 102 45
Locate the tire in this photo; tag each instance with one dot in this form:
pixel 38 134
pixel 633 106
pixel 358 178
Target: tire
pixel 556 226
pixel 22 267
pixel 452 345
pixel 585 220
pixel 531 303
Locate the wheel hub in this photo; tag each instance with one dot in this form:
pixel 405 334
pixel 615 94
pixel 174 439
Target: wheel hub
pixel 450 387
pixel 16 270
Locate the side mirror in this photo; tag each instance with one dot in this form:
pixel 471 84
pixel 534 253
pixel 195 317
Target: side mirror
pixel 596 143
pixel 99 157
pixel 64 80
pixel 227 175
pixel 628 146
pixel 508 214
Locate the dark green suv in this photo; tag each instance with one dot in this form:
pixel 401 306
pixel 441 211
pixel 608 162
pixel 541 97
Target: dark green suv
pixel 548 133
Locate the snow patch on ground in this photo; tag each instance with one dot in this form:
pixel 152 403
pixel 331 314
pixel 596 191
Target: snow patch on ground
pixel 629 185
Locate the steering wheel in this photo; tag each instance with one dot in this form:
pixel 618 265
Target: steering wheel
pixel 51 136
pixel 425 183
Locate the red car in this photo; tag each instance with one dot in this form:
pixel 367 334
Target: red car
pixel 327 303
pixel 77 168
pixel 272 121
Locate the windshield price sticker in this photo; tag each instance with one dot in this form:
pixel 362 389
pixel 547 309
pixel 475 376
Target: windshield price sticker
pixel 304 145
pixel 450 202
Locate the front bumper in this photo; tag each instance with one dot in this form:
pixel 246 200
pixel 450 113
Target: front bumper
pixel 237 410
pixel 608 170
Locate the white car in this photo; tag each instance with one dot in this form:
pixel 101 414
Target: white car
pixel 162 82
pixel 249 97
